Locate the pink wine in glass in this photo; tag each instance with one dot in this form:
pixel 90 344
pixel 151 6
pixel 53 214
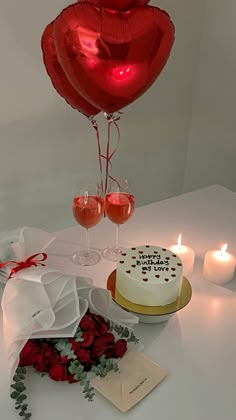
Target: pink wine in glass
pixel 119 207
pixel 88 210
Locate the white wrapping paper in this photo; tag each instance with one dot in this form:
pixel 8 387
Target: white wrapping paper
pixel 42 302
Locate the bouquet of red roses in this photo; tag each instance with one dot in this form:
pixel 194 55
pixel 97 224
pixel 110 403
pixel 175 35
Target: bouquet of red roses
pixel 95 348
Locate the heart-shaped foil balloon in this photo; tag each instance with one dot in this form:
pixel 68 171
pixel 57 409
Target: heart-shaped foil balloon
pixel 58 77
pixel 121 5
pixel 111 58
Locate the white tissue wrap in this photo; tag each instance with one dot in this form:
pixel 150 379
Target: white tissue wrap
pixel 42 302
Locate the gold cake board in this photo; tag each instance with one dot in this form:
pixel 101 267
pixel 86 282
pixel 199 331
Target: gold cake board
pixel 151 311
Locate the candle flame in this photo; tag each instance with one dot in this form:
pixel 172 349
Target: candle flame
pixel 224 248
pixel 179 241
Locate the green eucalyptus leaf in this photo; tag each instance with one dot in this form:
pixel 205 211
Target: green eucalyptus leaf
pixel 66 350
pixel 79 339
pixel 68 346
pixel 86 386
pixel 125 333
pixel 20 387
pixel 103 374
pixel 21 398
pixel 74 367
pixel 14 395
pixel 61 345
pixel 71 355
pixel 80 369
pixel 42 374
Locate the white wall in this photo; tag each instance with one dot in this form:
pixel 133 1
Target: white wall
pixel 45 146
pixel 212 142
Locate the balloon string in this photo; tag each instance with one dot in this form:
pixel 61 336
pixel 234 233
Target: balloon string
pixel 118 139
pixel 109 155
pixel 112 119
pixel 95 126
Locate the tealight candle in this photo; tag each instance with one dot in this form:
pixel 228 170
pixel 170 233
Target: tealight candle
pixel 186 254
pixel 219 266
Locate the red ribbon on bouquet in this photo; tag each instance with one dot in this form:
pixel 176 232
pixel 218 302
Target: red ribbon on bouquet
pixel 31 261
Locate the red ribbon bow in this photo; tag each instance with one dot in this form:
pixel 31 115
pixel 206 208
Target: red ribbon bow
pixel 31 261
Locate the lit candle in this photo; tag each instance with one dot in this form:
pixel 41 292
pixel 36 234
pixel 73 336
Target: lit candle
pixel 219 266
pixel 186 254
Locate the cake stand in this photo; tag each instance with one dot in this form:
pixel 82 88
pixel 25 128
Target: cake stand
pixel 151 314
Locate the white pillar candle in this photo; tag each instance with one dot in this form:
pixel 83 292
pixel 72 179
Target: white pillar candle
pixel 186 254
pixel 219 266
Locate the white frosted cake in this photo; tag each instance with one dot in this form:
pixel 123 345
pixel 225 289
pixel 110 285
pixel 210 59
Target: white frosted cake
pixel 149 275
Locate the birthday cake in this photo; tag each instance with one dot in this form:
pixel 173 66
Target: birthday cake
pixel 149 275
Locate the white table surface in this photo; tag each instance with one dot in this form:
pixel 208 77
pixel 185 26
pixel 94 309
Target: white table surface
pixel 197 345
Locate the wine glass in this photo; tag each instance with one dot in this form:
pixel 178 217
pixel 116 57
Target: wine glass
pixel 119 207
pixel 88 209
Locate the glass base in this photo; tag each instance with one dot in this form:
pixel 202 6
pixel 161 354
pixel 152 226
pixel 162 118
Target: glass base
pixel 113 253
pixel 85 257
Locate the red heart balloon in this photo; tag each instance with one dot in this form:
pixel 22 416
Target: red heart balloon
pixel 110 57
pixel 119 4
pixel 58 77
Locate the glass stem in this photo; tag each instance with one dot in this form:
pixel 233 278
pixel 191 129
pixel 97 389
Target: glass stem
pixel 117 236
pixel 87 241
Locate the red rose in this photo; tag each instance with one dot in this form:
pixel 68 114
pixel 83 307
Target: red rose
pixel 46 358
pixel 58 373
pixel 75 345
pixel 87 324
pixel 39 363
pixel 101 326
pixel 110 353
pixel 64 359
pixel 120 348
pixel 117 350
pixel 45 349
pixel 102 344
pixel 94 323
pixel 87 339
pixel 50 355
pixel 84 356
pixel 71 379
pixel 52 360
pixel 28 353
